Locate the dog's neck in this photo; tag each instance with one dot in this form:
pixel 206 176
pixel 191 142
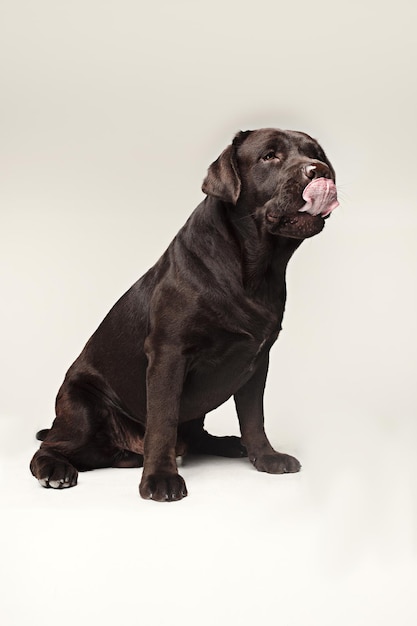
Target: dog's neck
pixel 264 256
pixel 255 258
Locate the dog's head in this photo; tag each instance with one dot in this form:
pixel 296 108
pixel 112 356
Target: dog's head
pixel 282 178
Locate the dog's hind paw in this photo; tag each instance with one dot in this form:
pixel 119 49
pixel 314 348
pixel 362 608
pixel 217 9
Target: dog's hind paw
pixel 229 446
pixel 55 474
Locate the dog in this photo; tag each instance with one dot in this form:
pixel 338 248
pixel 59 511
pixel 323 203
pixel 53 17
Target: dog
pixel 197 328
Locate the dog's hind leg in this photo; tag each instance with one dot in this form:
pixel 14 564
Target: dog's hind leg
pixel 199 441
pixel 82 438
pixel 59 470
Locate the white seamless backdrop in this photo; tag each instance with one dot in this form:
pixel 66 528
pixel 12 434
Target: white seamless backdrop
pixel 111 114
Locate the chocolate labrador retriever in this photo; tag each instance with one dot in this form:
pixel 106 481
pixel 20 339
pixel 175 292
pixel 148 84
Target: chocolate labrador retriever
pixel 197 328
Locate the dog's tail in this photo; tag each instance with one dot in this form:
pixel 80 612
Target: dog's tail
pixel 41 434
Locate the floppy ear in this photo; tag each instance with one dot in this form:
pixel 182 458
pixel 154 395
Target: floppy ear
pixel 222 180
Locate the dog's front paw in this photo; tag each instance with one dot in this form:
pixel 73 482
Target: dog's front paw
pixel 162 487
pixel 276 463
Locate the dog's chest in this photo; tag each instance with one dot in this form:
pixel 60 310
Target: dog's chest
pixel 257 354
pixel 234 339
pixel 219 371
pixel 225 347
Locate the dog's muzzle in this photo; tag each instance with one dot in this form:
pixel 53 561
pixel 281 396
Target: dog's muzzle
pixel 320 197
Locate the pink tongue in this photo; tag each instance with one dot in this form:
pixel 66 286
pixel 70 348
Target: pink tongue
pixel 320 196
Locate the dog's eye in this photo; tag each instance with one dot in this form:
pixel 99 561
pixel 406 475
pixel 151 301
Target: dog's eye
pixel 269 156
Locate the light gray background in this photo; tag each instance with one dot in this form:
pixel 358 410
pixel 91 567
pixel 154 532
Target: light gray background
pixel 111 113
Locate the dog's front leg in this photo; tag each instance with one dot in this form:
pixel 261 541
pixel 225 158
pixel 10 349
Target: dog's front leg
pixel 164 382
pixel 250 410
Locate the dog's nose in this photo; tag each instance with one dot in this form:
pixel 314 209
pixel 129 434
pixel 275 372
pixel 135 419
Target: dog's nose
pixel 316 170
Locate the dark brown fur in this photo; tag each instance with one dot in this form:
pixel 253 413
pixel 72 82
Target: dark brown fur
pixel 195 330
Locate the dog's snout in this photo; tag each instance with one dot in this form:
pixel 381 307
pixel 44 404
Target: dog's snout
pixel 316 170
